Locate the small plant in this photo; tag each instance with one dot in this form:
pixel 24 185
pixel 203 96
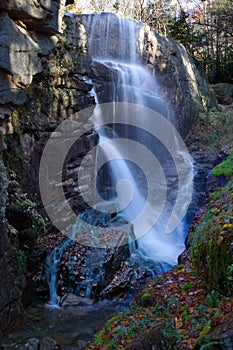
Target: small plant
pixel 186 287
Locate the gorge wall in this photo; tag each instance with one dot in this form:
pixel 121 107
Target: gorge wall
pixel 27 30
pixel 44 65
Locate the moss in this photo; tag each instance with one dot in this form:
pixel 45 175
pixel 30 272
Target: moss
pixel 146 299
pixel 213 242
pixel 19 118
pixel 226 167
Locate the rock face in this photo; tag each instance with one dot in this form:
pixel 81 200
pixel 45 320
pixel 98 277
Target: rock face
pixel 11 281
pixel 184 86
pixel 26 33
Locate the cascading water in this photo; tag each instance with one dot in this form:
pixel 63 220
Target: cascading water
pixel 113 45
pixel 114 50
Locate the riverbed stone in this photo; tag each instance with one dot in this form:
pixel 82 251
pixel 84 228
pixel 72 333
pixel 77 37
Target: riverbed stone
pixel 48 343
pixel 74 300
pixel 31 344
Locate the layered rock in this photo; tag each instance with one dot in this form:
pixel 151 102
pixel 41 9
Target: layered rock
pixel 26 32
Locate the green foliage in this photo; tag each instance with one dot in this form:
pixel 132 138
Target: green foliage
pixel 180 30
pixel 61 39
pixel 186 287
pixel 209 346
pixel 215 130
pixel 213 299
pixel 213 241
pixel 226 167
pixel 146 299
pixel 206 330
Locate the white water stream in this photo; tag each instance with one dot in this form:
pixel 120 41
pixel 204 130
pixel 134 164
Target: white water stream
pixel 113 44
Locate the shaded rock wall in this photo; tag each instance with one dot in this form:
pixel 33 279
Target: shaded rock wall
pixel 26 33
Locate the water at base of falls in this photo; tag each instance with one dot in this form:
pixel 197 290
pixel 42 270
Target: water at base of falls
pixel 113 44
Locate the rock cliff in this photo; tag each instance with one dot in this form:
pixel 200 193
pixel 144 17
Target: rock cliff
pixel 27 30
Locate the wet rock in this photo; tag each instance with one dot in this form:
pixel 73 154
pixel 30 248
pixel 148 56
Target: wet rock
pixel 74 300
pixel 32 344
pixel 120 284
pixel 48 343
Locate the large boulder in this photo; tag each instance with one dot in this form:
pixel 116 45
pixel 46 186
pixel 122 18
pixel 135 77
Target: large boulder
pixel 42 16
pixel 26 32
pixel 182 79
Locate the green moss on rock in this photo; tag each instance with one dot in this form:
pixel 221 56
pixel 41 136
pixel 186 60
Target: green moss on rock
pixel 213 241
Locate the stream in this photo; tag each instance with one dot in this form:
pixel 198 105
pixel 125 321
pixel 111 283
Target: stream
pixel 71 327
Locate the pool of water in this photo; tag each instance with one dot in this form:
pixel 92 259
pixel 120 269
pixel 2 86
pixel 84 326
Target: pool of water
pixel 71 327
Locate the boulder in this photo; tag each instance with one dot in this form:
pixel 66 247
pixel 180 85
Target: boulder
pixel 221 335
pixel 31 344
pixel 74 300
pixel 224 93
pixel 26 31
pixel 42 16
pixel 48 343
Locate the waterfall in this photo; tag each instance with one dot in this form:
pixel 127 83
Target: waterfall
pixel 113 44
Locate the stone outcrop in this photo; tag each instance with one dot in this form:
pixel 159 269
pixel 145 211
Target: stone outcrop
pixel 182 80
pixel 41 16
pixel 26 32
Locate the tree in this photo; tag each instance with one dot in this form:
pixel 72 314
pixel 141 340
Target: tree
pixel 216 47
